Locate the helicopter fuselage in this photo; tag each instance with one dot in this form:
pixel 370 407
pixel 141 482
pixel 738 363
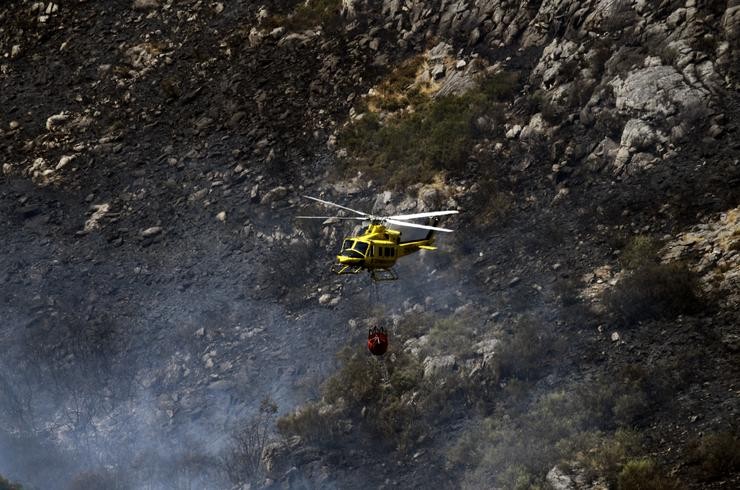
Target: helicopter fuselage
pixel 377 249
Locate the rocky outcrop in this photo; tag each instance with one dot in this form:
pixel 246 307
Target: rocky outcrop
pixel 713 250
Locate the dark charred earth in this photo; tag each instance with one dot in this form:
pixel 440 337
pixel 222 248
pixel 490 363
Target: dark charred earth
pixel 165 322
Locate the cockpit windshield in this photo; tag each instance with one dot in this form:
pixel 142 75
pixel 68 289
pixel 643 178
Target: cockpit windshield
pixel 361 247
pixel 354 248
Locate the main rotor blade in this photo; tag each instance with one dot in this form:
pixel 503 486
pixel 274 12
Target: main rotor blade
pixel 414 225
pixel 330 217
pixel 336 205
pixel 422 215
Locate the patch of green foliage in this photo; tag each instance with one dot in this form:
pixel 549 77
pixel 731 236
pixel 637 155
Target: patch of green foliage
pixel 437 136
pixel 600 456
pixel 640 251
pixel 523 353
pixel 517 450
pixel 397 91
pixel 308 15
pixel 362 393
pixel 643 474
pixel 627 398
pixel 717 454
pixel 392 400
pixel 655 291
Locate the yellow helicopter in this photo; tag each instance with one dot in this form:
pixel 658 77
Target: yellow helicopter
pixel 378 248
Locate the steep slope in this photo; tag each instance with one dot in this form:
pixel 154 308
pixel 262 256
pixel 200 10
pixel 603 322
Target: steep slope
pixel 155 287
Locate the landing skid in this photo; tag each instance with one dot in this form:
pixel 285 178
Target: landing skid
pixel 375 274
pixel 383 275
pixel 346 269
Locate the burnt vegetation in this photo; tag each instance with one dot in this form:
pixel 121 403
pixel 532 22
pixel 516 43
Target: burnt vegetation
pixel 571 329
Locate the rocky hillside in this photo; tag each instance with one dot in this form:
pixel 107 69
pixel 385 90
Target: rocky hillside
pixel 166 323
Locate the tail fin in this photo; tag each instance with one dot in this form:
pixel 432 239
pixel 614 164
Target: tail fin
pixel 431 222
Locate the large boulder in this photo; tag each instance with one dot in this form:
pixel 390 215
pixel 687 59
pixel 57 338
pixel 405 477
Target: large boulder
pixel 658 91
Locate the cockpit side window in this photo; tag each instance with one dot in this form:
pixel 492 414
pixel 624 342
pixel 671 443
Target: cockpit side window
pixel 347 245
pixel 361 247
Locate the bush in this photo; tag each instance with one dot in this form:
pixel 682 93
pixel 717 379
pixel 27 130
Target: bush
pixel 654 291
pixel 601 456
pixel 640 251
pixel 523 353
pixel 358 382
pixel 308 15
pixel 626 398
pixel 414 146
pixel 516 450
pixel 398 90
pixel 365 393
pixel 642 474
pixel 391 400
pixel 717 455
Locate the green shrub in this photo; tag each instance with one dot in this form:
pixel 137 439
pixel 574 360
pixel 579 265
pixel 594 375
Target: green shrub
pixel 523 353
pixel 518 477
pixel 398 90
pixel 453 335
pixel 654 291
pixel 415 146
pixel 717 455
pixel 642 474
pixel 518 448
pixel 359 381
pixel 601 456
pixel 641 250
pixel 626 398
pixel 372 395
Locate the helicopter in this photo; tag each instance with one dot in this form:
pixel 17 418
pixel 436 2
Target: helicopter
pixel 380 246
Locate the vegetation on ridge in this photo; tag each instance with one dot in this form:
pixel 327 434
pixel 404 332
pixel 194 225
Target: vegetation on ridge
pixel 434 135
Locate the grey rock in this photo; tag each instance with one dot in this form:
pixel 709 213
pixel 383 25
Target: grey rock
pixel 151 231
pixel 638 134
pixel 434 366
pixel 657 91
pixel 438 71
pixel 558 480
pixel 145 4
pixel 54 121
pixel 274 195
pixel 513 132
